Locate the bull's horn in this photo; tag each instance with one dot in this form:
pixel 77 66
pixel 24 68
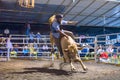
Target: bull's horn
pixel 80 48
pixel 66 50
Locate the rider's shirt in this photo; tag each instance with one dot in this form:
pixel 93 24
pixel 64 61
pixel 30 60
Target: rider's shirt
pixel 55 27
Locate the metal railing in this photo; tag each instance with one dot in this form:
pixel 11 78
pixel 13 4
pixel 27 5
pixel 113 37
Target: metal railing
pixel 22 40
pixel 109 40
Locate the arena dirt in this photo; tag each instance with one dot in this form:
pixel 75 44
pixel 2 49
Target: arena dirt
pixel 40 70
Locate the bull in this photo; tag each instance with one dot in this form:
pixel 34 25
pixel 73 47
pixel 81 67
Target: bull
pixel 70 52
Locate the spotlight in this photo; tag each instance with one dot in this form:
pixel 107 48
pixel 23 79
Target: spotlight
pixel 26 3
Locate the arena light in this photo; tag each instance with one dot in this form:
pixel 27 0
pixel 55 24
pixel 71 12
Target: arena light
pixel 26 3
pixel 114 0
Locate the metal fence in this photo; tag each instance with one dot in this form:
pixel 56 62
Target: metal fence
pixel 22 41
pixel 108 41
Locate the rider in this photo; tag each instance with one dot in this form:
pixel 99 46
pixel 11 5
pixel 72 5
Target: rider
pixel 57 32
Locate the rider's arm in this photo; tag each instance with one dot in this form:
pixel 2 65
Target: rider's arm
pixel 62 33
pixel 72 22
pixel 57 28
pixel 63 22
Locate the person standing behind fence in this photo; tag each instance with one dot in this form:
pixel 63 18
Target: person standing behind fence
pixel 31 36
pixel 2 45
pixel 25 50
pixel 99 50
pixel 28 28
pixel 32 50
pixel 110 50
pixel 35 45
pixel 9 43
pixel 38 36
pixel 9 47
pixel 45 48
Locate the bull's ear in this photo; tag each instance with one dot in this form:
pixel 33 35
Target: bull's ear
pixel 80 48
pixel 66 50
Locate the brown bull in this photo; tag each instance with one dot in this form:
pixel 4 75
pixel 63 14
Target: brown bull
pixel 70 51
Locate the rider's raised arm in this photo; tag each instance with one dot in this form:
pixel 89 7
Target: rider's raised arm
pixel 63 22
pixel 72 22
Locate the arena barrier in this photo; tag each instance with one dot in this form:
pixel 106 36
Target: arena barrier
pixel 88 51
pixel 110 44
pixel 20 41
pixel 23 40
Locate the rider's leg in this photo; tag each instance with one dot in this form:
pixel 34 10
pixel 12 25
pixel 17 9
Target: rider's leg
pixel 57 42
pixel 69 33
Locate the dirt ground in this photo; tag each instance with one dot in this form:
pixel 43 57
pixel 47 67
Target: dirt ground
pixel 40 70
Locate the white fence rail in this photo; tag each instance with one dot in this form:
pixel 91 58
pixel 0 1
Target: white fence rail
pixel 23 40
pixel 106 41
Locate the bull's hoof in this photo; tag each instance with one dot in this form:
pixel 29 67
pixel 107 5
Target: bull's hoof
pixel 73 69
pixel 85 69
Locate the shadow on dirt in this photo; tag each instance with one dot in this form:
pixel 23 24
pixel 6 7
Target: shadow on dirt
pixel 44 70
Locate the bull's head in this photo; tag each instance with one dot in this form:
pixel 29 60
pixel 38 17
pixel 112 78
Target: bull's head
pixel 72 49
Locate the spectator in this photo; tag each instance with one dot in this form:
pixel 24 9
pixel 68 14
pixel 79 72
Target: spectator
pixel 100 50
pixel 82 38
pixel 2 45
pixel 27 29
pixel 13 53
pixel 9 47
pixel 110 50
pixel 2 41
pixel 39 48
pixel 32 36
pixel 35 45
pixel 104 57
pixel 25 51
pixel 9 43
pixel 16 47
pixel 45 47
pixel 38 36
pixel 32 50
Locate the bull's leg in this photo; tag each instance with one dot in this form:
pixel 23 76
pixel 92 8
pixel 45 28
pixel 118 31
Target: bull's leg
pixel 80 61
pixel 65 58
pixel 72 66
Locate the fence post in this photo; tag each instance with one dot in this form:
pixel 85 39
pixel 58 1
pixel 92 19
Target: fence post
pixel 8 54
pixel 95 49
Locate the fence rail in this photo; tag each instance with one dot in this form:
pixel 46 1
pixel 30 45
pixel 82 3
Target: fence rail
pixel 22 40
